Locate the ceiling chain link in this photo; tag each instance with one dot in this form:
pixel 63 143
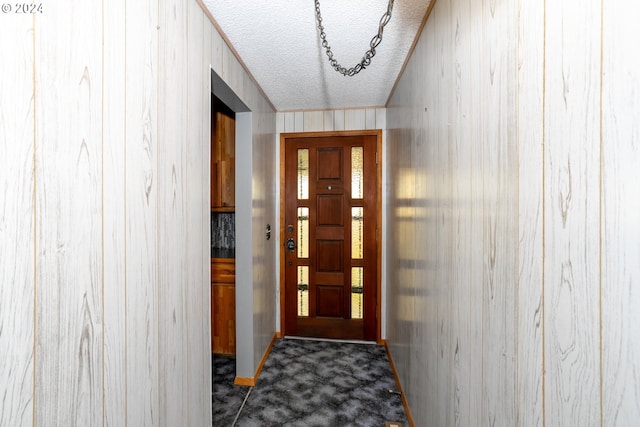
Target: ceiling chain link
pixel 366 59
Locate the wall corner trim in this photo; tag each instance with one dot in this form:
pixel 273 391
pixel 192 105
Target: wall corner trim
pixel 251 381
pixel 405 403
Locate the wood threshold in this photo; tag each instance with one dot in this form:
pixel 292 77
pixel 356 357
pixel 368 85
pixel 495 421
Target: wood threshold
pixel 405 403
pixel 325 328
pixel 251 381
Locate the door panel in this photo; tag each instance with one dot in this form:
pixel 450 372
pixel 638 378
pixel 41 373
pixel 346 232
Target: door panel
pixel 329 167
pixel 330 210
pixel 330 266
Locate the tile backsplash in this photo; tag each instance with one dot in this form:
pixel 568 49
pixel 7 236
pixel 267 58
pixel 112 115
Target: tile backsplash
pixel 223 230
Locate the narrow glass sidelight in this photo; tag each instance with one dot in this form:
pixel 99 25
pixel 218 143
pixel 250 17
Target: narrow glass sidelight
pixel 303 232
pixel 357 233
pixel 357 172
pixel 303 291
pixel 303 174
pixel 357 292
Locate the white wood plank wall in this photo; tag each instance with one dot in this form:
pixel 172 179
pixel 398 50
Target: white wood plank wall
pixel 69 261
pixel 205 239
pixel 265 210
pixel 114 215
pixel 514 264
pixel 463 375
pixel 330 120
pixel 141 205
pixel 499 209
pixel 620 211
pixel 572 170
pixel 17 226
pixel 529 303
pixel 172 219
pixel 104 212
pixel 197 217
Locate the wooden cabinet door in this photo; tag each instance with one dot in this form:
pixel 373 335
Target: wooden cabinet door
pixel 223 162
pixel 223 296
pixel 223 306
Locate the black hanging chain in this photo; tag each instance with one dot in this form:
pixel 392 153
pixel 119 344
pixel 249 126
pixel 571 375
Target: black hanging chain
pixel 366 59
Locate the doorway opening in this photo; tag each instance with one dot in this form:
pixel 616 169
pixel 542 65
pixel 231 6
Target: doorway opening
pixel 223 227
pixel 230 134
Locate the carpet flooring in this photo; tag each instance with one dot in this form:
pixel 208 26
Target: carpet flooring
pixel 311 383
pixel 227 397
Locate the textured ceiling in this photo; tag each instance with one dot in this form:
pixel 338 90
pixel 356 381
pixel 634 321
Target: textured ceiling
pixel 279 43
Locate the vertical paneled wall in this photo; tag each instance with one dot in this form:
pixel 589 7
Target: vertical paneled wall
pixel 68 201
pixel 172 210
pixel 572 173
pixel 529 302
pixel 198 220
pixel 114 129
pixel 264 253
pixel 514 264
pixel 619 212
pixel 139 165
pixel 104 211
pixel 331 120
pixel 17 224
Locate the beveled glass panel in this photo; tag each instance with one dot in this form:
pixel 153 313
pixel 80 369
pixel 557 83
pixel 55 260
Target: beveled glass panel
pixel 357 172
pixel 303 232
pixel 303 174
pixel 303 291
pixel 357 288
pixel 357 232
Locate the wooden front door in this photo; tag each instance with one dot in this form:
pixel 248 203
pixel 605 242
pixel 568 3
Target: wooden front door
pixel 330 227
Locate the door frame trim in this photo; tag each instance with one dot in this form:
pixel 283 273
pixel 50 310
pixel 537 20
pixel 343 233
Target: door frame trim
pixel 368 132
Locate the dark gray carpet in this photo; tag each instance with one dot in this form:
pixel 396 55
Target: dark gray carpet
pixel 227 397
pixel 319 383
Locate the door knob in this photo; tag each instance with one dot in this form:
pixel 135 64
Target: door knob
pixel 291 244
